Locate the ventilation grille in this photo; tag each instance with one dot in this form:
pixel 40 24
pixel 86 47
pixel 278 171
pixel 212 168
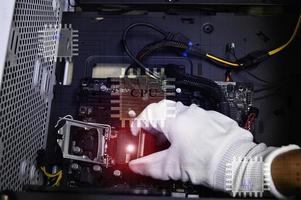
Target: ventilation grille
pixel 26 91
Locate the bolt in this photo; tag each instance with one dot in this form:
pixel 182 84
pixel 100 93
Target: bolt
pixel 208 28
pixel 77 150
pixel 97 168
pixel 132 113
pixel 117 172
pixel 75 166
pixel 103 88
pixel 99 18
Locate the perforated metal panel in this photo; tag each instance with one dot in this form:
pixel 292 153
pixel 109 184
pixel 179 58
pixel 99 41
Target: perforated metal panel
pixel 26 90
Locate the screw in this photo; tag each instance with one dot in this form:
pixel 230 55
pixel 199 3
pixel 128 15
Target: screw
pixel 132 113
pixel 77 150
pixel 75 166
pixel 117 172
pixel 97 168
pixel 208 28
pixel 99 18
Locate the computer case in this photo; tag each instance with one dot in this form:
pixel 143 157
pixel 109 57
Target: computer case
pixel 34 92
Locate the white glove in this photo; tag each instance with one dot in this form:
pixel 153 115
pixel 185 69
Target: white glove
pixel 202 144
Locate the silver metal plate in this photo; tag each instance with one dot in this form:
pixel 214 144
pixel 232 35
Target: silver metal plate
pixel 103 132
pixel 26 90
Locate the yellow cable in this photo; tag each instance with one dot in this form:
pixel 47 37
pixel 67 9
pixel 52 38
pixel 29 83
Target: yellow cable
pixel 50 175
pixel 59 176
pixel 57 182
pixel 272 52
pixel 223 61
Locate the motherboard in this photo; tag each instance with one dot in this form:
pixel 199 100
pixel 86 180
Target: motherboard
pixel 240 96
pixel 100 144
pixel 95 145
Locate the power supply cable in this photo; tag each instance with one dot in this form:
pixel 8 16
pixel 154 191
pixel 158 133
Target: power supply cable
pixel 43 169
pixel 56 176
pixel 185 48
pixel 258 78
pixel 184 45
pixel 223 61
pixel 277 50
pixel 129 52
pixel 258 56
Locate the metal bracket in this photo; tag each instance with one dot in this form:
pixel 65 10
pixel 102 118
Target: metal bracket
pixel 68 43
pixel 103 131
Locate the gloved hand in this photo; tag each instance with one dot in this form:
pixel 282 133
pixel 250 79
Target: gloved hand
pixel 202 144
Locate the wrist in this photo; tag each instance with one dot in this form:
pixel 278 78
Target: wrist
pixel 239 149
pixel 242 169
pixel 275 185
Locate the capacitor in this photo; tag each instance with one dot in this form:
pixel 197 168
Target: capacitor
pixel 75 166
pixel 132 113
pixel 77 150
pixel 89 110
pixel 82 110
pixel 97 168
pixel 178 90
pixel 117 172
pixel 103 88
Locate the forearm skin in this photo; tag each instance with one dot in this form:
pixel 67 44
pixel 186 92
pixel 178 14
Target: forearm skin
pixel 286 172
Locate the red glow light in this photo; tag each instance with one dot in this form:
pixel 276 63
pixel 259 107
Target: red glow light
pixel 130 148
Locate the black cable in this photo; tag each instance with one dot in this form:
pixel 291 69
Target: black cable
pixel 178 46
pixel 266 89
pixel 206 87
pixel 234 54
pixel 178 42
pixel 252 59
pixel 129 52
pixel 159 45
pixel 258 78
pixel 267 96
